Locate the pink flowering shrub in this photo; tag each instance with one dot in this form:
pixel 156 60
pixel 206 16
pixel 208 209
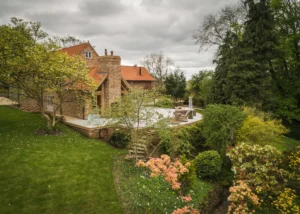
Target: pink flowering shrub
pixel 171 172
pixel 164 167
pixel 240 198
pixel 185 209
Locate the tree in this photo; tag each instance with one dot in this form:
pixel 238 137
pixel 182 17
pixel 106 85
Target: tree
pixel 220 126
pixel 68 41
pixel 286 75
pixel 215 27
pixel 38 68
pixel 199 87
pixel 175 84
pixel 158 65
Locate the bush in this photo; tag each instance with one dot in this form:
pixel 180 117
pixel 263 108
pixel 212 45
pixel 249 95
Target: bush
pixel 164 103
pixel 256 130
pixel 119 139
pixel 220 126
pixel 208 164
pixel 189 178
pixel 190 140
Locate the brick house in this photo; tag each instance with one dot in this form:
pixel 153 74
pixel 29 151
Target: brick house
pixel 112 80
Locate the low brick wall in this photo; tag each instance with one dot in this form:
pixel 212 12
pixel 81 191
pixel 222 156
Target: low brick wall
pixel 102 133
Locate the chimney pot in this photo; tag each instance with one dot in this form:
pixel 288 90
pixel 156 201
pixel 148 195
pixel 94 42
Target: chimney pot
pixel 111 53
pixel 105 51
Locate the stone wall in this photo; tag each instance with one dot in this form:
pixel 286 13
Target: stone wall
pixel 73 108
pixel 93 61
pixel 29 105
pixel 112 88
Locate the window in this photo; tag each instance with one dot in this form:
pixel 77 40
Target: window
pixel 49 100
pixel 88 54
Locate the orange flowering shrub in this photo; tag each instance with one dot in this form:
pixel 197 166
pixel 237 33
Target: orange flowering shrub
pixel 169 170
pixel 240 198
pixel 185 209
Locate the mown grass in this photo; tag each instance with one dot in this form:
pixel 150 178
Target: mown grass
pixel 53 174
pixel 141 193
pixel 287 144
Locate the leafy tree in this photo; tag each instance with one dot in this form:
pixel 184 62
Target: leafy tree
pixel 286 76
pixel 199 87
pixel 38 68
pixel 221 124
pixel 158 65
pixel 175 84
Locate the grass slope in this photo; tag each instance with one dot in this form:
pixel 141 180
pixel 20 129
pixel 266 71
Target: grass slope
pixel 52 174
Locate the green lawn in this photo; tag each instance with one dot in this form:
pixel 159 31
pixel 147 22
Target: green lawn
pixel 53 174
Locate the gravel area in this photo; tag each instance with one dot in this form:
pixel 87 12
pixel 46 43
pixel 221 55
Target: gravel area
pixel 5 101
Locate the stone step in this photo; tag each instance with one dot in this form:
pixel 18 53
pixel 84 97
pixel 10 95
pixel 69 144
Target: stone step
pixel 136 152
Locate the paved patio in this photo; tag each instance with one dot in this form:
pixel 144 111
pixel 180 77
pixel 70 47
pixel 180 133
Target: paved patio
pixel 166 113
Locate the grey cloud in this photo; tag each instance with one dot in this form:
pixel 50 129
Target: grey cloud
pixel 131 28
pixel 102 8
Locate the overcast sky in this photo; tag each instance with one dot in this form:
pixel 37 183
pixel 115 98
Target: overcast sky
pixel 131 28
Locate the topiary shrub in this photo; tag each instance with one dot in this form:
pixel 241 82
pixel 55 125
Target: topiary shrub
pixel 119 139
pixel 208 164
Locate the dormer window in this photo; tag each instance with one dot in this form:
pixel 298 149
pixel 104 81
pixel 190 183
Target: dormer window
pixel 88 54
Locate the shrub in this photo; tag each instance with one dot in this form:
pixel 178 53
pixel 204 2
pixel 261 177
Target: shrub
pixel 164 103
pixel 187 179
pixel 119 139
pixel 208 164
pixel 191 140
pixel 285 202
pixel 260 168
pixel 241 197
pixel 256 130
pixel 221 123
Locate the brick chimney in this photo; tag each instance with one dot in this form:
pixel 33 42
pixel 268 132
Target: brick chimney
pixel 112 86
pixel 105 51
pixel 140 72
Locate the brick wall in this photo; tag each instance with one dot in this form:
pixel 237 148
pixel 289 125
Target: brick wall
pixel 112 87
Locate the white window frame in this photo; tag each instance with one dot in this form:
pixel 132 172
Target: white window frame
pixel 88 54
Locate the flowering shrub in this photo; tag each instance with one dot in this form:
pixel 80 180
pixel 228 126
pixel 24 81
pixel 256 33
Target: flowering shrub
pixel 241 198
pixel 185 209
pixel 259 167
pixel 169 170
pixel 285 202
pixel 295 163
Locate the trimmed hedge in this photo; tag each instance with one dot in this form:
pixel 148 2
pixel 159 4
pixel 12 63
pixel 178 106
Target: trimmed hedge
pixel 208 164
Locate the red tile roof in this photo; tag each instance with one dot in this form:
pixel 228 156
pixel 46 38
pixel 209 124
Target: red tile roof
pixel 93 73
pixel 75 50
pixel 132 73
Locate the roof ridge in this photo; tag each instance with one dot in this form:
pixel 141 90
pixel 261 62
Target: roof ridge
pixel 76 45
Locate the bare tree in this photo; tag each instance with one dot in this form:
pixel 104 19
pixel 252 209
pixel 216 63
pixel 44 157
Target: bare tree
pixel 158 65
pixel 68 41
pixel 215 26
